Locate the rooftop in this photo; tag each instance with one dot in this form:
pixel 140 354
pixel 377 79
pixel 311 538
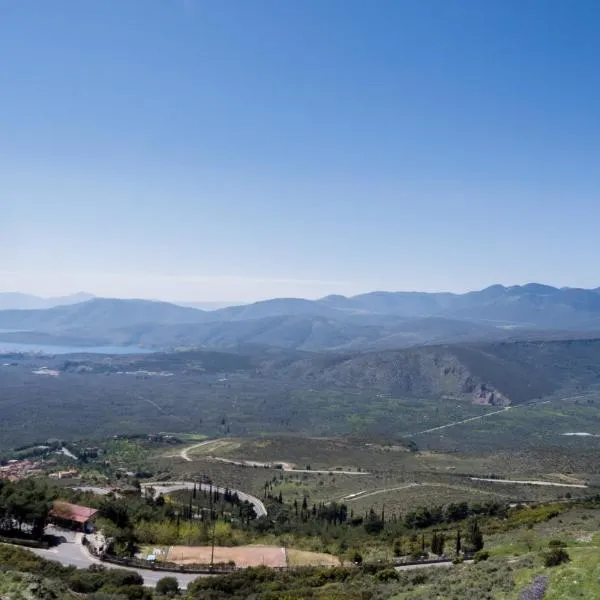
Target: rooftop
pixel 72 512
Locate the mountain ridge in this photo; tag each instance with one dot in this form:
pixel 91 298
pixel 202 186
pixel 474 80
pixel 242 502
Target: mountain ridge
pixel 365 321
pixel 21 301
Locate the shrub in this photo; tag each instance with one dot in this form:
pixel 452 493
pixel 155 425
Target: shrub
pixel 84 582
pixel 557 544
pixel 167 586
pixel 555 557
pixel 386 575
pixel 481 556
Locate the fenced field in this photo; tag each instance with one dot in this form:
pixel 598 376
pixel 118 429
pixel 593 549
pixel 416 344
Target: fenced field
pixel 243 556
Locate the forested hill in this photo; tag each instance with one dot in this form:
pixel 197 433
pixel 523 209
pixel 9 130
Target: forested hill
pixel 493 373
pixel 262 389
pixel 496 373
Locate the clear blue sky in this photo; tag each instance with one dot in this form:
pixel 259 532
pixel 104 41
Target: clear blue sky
pixel 222 150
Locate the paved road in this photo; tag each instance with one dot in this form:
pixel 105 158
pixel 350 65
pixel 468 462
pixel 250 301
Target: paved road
pixel 72 553
pixel 496 412
pixel 532 482
pixel 173 486
pixel 99 491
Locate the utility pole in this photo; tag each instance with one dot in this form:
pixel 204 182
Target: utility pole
pixel 212 550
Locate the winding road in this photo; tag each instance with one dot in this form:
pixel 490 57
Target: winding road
pixel 284 466
pixel 71 552
pixel 185 452
pixel 173 486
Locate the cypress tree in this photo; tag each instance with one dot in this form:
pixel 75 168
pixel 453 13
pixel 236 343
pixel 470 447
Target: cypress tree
pixel 474 536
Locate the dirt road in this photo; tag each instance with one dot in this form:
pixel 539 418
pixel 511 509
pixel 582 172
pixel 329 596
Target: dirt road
pixel 185 452
pixel 283 466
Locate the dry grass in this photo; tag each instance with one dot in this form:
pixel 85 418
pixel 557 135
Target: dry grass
pixel 302 558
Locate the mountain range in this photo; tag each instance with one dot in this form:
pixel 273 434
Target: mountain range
pixel 375 320
pixel 17 300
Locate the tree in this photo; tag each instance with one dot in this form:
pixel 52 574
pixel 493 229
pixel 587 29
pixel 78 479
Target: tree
pixel 167 586
pixel 555 557
pixel 437 543
pixel 373 524
pixel 414 548
pixel 398 547
pixel 474 538
pixel 458 542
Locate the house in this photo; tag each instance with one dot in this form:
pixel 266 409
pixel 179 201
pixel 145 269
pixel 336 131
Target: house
pixel 70 474
pixel 73 516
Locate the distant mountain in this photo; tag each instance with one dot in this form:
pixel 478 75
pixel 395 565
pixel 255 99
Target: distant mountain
pixel 377 320
pixel 276 308
pixel 16 300
pixel 207 305
pixel 531 305
pixel 99 314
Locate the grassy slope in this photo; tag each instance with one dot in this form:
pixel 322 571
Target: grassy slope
pixel 516 558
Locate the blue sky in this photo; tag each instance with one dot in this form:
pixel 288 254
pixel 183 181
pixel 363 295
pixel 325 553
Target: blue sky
pixel 196 150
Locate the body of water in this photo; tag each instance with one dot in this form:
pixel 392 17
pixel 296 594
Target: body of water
pixel 47 349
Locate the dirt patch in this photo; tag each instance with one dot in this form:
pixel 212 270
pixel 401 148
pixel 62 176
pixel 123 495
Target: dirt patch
pixel 243 556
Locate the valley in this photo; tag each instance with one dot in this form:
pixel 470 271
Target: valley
pixel 362 463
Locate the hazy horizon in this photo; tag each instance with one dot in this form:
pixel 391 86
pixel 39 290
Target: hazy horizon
pixel 220 302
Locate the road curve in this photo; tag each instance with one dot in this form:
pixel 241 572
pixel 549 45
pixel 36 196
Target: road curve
pixel 184 453
pixel 284 466
pixel 172 486
pixel 72 553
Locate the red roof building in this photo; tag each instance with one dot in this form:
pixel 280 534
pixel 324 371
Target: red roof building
pixel 72 515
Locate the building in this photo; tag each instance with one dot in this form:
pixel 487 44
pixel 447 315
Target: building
pixel 15 470
pixel 73 516
pixel 70 474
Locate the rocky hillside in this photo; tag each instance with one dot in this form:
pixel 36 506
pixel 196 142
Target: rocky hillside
pixel 497 374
